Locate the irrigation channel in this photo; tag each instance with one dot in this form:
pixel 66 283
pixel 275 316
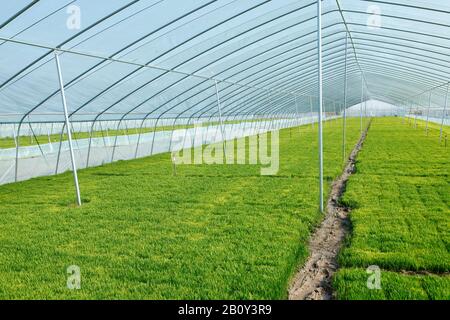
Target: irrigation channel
pixel 313 280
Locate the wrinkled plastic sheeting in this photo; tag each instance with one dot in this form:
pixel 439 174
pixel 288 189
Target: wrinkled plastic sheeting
pixel 431 119
pixel 43 160
pixel 40 129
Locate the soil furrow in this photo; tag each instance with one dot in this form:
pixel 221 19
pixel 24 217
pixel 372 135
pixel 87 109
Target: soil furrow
pixel 313 280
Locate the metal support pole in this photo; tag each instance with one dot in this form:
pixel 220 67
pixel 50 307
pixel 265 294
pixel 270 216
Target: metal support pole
pixel 154 133
pixel 16 169
pixel 404 107
pixel 14 135
pixel 345 99
pixel 443 113
pixel 73 132
pixel 69 134
pixel 126 130
pixel 407 111
pixel 173 130
pixel 103 137
pixel 415 116
pixel 49 139
pixel 220 119
pixel 428 112
pixel 365 108
pixel 297 123
pixel 61 136
pixel 360 106
pixel 31 131
pixel 334 107
pixel 115 140
pixel 410 112
pixel 139 138
pixel 319 75
pixel 311 109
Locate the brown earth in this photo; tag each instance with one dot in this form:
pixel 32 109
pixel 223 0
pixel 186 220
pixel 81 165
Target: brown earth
pixel 313 280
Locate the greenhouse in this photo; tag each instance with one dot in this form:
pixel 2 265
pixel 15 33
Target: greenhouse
pixel 225 149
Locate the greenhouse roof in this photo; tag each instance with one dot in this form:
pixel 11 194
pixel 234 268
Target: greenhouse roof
pixel 159 58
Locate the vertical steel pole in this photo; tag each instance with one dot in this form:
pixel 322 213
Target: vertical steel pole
pixel 443 113
pixel 298 113
pixel 345 98
pixel 61 136
pixel 311 109
pixel 360 106
pixel 415 116
pixel 365 108
pixel 320 100
pixel 16 169
pixel 30 133
pixel 220 119
pixel 14 134
pixel 69 135
pixel 405 110
pixel 334 107
pixel 409 113
pixel 404 107
pixel 428 112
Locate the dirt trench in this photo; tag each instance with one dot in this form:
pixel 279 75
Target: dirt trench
pixel 313 280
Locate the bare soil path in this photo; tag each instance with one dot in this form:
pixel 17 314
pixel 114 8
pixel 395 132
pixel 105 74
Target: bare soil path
pixel 313 280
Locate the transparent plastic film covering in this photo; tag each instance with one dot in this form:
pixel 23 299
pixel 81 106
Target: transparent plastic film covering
pixel 135 73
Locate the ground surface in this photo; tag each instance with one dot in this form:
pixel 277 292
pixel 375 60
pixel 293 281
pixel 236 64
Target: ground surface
pixel 225 231
pixel 313 280
pixel 211 231
pixel 400 195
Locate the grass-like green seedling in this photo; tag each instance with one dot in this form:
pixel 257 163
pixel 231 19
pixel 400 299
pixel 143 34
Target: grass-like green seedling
pixel 400 196
pixel 211 231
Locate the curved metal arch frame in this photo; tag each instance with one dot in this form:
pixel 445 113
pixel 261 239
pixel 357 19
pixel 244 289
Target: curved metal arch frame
pixel 125 114
pixel 169 110
pixel 383 52
pixel 145 84
pixel 94 97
